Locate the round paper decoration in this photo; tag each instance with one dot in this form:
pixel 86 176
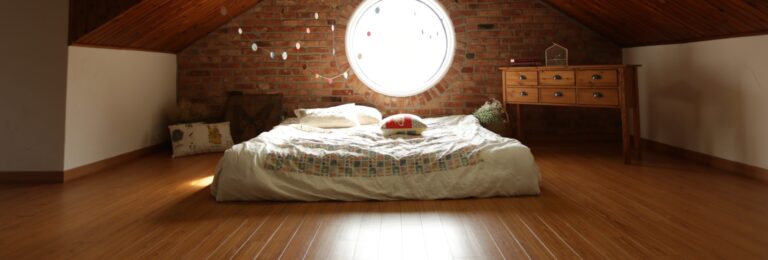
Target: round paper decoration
pixel 254 47
pixel 333 27
pixel 240 30
pixel 285 55
pixel 298 45
pixel 317 16
pixel 308 30
pixel 271 54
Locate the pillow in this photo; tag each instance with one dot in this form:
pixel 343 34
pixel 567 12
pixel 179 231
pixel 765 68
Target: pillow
pixel 301 112
pixel 196 138
pixel 332 117
pixel 368 115
pixel 403 124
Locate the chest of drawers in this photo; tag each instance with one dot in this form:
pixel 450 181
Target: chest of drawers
pixel 601 86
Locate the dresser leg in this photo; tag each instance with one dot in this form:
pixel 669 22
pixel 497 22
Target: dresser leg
pixel 625 131
pixel 519 121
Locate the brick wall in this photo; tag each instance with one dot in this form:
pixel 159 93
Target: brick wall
pixel 488 33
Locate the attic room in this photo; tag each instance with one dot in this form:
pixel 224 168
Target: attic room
pixel 384 129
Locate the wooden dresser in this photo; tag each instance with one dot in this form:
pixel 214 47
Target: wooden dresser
pixel 601 86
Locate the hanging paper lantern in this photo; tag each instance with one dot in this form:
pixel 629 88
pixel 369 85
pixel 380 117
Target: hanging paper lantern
pixel 317 16
pixel 333 27
pixel 333 52
pixel 317 76
pixel 285 55
pixel 346 75
pixel 254 47
pixel 308 30
pixel 239 30
pixel 272 55
pixel 298 45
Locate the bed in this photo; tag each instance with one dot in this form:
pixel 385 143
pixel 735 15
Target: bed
pixel 455 158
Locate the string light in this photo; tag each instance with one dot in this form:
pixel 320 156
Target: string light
pixel 284 54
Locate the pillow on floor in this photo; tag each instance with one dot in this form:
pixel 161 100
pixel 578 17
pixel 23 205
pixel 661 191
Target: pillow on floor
pixel 403 124
pixel 196 138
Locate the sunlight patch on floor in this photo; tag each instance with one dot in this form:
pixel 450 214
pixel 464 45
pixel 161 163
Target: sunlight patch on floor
pixel 202 182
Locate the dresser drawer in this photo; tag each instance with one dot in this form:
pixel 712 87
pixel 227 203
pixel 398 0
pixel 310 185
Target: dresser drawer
pixel 556 77
pixel 558 95
pixel 522 78
pixel 597 78
pixel 599 96
pixel 523 95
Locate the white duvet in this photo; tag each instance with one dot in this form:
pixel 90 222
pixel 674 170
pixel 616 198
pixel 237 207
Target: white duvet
pixel 455 158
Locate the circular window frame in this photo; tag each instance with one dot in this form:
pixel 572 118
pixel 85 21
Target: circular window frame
pixel 450 34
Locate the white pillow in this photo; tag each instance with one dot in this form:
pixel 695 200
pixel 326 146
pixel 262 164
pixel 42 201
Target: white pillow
pixel 368 115
pixel 195 138
pixel 332 117
pixel 340 109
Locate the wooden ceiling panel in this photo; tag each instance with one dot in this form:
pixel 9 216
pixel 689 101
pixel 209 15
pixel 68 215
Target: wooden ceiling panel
pixel 172 25
pixel 649 22
pixel 157 25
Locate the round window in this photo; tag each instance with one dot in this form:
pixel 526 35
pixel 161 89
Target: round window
pixel 400 47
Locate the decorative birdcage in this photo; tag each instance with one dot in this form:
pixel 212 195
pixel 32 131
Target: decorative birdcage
pixel 556 55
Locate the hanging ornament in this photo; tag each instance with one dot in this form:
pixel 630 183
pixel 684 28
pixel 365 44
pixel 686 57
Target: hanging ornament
pixel 298 45
pixel 240 30
pixel 317 76
pixel 317 16
pixel 346 74
pixel 330 81
pixel 333 27
pixel 308 30
pixel 272 55
pixel 285 55
pixel 333 52
pixel 254 47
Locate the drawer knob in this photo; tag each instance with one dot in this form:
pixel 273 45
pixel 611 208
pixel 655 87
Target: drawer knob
pixel 523 77
pixel 557 77
pixel 523 94
pixel 558 94
pixel 597 95
pixel 597 77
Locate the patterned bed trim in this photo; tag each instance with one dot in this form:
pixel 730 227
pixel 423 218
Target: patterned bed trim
pixel 364 163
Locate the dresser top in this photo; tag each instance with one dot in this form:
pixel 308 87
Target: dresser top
pixel 575 67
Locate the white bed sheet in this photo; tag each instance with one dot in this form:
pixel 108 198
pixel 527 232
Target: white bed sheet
pixel 496 166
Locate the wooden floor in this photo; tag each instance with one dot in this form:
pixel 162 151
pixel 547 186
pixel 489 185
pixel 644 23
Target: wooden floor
pixel 592 206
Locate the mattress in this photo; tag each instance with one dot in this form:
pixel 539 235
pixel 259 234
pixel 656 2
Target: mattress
pixel 455 158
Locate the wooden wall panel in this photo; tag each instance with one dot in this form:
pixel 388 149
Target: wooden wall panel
pixel 641 22
pixel 155 25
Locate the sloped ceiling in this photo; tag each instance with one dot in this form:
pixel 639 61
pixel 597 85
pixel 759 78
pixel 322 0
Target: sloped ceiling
pixel 650 22
pixel 155 25
pixel 172 25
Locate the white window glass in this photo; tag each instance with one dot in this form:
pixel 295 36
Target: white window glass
pixel 400 47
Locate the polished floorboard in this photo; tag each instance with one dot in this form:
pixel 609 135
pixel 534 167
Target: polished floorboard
pixel 592 206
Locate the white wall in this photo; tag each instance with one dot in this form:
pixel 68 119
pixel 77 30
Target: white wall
pixel 117 102
pixel 33 71
pixel 710 97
